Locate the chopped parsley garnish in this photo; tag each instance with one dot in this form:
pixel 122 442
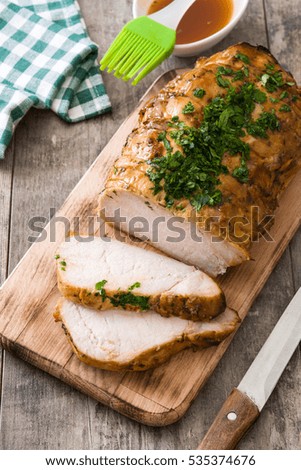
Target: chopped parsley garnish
pixel 202 200
pixel 100 287
pixel 188 108
pixel 128 298
pixel 246 71
pixel 272 80
pixel 199 92
pixel 265 121
pixel 244 58
pixel 221 81
pixel 162 138
pixel 274 100
pixel 100 284
pixel 294 98
pixel 193 171
pixel 122 299
pixel 63 263
pixel 283 95
pixel 239 75
pixel 221 70
pixel 285 108
pixel 57 257
pixel 134 286
pixel 241 173
pixel 270 67
pixel 259 96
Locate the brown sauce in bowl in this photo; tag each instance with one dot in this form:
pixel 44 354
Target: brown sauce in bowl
pixel 203 18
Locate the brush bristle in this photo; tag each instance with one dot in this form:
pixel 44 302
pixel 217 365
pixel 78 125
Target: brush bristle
pixel 132 54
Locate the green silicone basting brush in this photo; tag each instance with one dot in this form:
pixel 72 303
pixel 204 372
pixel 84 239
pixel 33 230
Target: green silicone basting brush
pixel 144 43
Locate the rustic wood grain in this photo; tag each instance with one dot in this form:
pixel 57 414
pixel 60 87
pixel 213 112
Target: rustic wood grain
pixel 39 164
pixel 157 397
pixel 284 33
pixel 41 412
pixel 6 182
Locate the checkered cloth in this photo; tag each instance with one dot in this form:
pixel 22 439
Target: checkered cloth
pixel 47 60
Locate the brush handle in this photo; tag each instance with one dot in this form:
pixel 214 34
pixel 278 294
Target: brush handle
pixel 171 15
pixel 236 416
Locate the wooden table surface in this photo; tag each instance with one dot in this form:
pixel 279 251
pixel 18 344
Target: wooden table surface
pixel 44 162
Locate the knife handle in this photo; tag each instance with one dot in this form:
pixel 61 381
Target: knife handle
pixel 236 416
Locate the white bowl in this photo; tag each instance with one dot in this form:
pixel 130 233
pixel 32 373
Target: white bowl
pixel 140 8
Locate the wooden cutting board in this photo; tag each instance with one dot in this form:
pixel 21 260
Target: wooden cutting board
pixel 27 300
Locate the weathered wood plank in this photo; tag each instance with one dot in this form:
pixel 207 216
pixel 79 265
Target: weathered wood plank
pixel 283 20
pixel 6 181
pixel 251 275
pixel 6 178
pixel 187 432
pixel 66 152
pixel 283 413
pixel 43 177
pixel 115 431
pixel 74 420
pixel 284 34
pixel 259 323
pixel 51 156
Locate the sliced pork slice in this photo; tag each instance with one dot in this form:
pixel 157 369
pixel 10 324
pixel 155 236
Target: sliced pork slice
pixel 172 234
pixel 122 340
pixel 104 274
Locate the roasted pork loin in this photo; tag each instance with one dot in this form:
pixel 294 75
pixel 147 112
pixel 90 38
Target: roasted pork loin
pixel 209 158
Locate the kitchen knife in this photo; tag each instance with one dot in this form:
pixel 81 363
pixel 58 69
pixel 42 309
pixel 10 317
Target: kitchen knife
pixel 245 402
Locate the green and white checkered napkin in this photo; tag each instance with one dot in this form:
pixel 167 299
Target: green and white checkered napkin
pixel 47 60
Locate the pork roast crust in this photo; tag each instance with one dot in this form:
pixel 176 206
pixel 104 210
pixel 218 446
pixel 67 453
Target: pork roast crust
pixel 273 160
pixel 190 307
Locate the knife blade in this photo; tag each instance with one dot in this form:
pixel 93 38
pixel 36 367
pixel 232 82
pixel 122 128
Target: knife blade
pixel 244 404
